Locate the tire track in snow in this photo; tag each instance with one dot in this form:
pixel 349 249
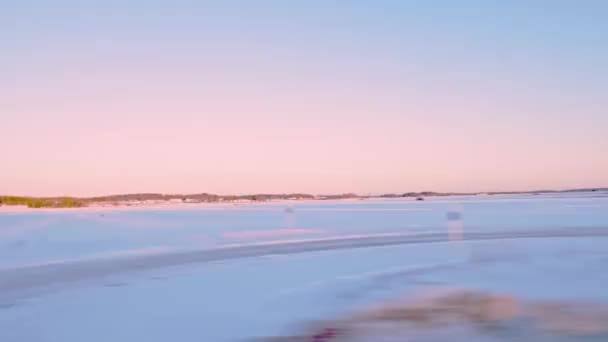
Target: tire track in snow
pixel 23 279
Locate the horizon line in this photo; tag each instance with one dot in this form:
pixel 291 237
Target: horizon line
pixel 589 189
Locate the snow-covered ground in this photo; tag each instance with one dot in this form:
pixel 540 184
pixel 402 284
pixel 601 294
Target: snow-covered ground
pixel 231 273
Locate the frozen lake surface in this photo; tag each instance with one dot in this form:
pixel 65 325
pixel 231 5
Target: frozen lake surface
pixel 230 273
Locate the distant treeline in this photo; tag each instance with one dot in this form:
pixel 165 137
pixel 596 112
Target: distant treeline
pixel 419 194
pixel 203 197
pixel 73 202
pixel 47 202
pixel 431 193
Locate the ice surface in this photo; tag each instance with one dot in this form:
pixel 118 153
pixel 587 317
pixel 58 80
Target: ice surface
pixel 232 300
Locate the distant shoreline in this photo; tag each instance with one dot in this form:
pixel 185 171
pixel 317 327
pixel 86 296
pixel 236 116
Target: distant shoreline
pixel 151 200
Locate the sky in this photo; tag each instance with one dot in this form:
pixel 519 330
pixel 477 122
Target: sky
pixel 315 96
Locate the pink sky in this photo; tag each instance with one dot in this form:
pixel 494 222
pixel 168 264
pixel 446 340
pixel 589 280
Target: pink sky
pixel 101 105
pixel 236 142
